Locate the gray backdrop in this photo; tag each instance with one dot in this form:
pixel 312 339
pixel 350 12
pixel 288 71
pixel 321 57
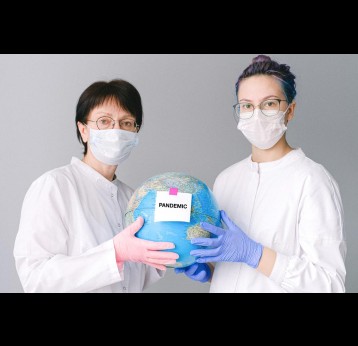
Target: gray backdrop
pixel 188 127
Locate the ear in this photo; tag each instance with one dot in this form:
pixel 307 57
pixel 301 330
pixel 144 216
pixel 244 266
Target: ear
pixel 83 131
pixel 291 111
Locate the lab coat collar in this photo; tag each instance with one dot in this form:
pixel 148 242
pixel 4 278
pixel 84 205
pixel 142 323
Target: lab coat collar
pixel 96 177
pixel 290 157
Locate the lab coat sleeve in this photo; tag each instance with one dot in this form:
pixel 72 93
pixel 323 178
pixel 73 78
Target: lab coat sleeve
pixel 41 247
pixel 319 266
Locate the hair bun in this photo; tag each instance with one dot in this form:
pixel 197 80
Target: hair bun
pixel 261 58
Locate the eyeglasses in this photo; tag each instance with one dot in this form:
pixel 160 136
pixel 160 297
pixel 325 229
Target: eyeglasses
pixel 106 123
pixel 269 108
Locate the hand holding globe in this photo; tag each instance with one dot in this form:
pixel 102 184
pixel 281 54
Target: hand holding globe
pixel 177 186
pixel 130 248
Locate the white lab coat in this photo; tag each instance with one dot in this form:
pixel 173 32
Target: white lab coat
pixel 293 206
pixel 64 243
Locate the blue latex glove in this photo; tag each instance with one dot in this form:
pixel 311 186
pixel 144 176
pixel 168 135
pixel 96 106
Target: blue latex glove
pixel 197 271
pixel 230 245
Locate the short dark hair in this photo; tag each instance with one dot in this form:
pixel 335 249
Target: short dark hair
pixel 263 65
pixel 98 93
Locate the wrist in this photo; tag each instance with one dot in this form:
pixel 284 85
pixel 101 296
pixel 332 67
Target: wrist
pixel 267 262
pixel 120 263
pixel 117 251
pixel 120 266
pixel 255 255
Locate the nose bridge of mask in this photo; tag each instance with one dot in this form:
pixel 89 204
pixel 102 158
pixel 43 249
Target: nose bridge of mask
pixel 270 116
pixel 261 117
pixel 257 112
pixel 113 135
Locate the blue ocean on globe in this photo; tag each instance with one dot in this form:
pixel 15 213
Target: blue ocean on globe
pixel 204 208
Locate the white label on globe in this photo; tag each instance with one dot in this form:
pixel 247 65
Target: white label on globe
pixel 172 207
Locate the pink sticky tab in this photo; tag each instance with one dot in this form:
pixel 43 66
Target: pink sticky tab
pixel 173 191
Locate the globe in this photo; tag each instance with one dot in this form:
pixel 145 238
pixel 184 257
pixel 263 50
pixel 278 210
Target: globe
pixel 203 208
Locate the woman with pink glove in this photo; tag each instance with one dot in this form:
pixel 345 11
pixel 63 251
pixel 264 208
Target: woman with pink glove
pixel 71 236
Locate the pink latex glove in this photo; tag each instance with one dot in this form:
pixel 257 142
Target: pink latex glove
pixel 130 248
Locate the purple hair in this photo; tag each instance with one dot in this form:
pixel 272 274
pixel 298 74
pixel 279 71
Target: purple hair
pixel 263 65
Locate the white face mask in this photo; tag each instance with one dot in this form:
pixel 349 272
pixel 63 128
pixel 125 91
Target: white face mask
pixel 112 146
pixel 261 131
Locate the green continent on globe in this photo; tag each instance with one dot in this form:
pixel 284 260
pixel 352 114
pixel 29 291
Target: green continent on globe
pixel 196 232
pixel 203 209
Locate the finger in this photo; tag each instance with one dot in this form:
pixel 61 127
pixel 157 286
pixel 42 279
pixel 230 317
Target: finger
pixel 205 252
pixel 202 241
pixel 157 266
pixel 162 255
pixel 209 259
pixel 211 228
pixel 136 225
pixel 228 222
pixel 160 261
pixel 200 276
pixel 157 245
pixel 207 241
pixel 191 269
pixel 203 260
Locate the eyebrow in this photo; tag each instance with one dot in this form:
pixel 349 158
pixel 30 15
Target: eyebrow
pixel 265 98
pixel 111 115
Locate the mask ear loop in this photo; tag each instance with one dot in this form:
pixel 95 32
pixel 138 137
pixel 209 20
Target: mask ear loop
pixel 289 105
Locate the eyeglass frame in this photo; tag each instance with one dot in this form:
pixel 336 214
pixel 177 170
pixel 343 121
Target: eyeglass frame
pixel 253 111
pixel 136 126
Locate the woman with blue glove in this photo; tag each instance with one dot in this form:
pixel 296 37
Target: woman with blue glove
pixel 283 225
